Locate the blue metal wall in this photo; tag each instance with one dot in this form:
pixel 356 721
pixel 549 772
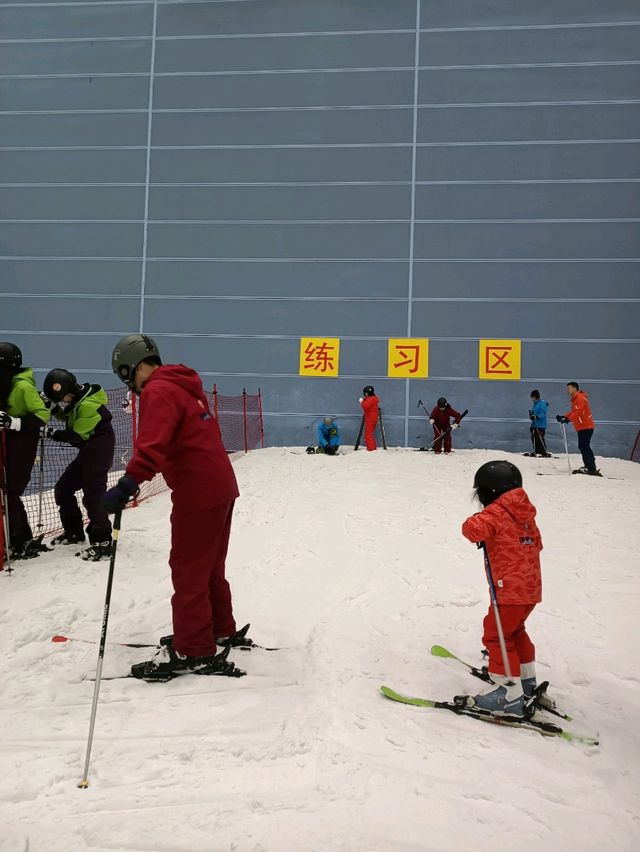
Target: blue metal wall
pixel 230 175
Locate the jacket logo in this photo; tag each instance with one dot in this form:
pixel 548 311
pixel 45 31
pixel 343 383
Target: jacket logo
pixel 527 540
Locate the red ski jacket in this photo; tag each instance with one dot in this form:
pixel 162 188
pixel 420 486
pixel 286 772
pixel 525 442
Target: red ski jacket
pixel 580 414
pixel 370 408
pixel 442 417
pixel 513 540
pixel 179 438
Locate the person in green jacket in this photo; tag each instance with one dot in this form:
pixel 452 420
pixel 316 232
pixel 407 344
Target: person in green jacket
pixel 83 409
pixel 22 415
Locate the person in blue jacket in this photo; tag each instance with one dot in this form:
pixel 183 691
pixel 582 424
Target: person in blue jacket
pixel 328 437
pixel 538 417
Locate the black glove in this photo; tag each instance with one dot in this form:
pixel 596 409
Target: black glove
pixel 117 497
pixel 561 418
pixel 532 417
pixel 50 432
pixel 9 422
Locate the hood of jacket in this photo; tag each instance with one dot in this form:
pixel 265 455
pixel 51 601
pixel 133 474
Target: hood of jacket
pixel 518 505
pixel 178 374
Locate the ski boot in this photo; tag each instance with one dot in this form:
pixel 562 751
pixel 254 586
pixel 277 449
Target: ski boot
pixel 30 549
pixel 96 552
pixel 504 699
pixel 534 694
pixel 168 663
pixel 68 537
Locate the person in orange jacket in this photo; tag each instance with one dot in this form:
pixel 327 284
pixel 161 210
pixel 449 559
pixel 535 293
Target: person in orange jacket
pixel 582 419
pixel 370 403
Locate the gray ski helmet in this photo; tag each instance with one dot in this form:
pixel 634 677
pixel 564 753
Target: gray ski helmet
pixel 128 353
pixel 442 402
pixel 497 477
pixel 58 383
pixel 10 355
pixel 368 390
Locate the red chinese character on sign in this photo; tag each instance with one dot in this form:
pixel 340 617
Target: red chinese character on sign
pixel 413 358
pixel 319 358
pixel 495 356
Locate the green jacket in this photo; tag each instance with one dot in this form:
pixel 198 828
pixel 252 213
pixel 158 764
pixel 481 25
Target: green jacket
pixel 24 398
pixel 85 416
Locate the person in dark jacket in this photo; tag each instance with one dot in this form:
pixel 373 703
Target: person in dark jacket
pixel 22 416
pixel 440 418
pixel 87 427
pixel 179 438
pixel 538 417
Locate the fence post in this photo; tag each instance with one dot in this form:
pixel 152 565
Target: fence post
pixel 215 401
pixel 244 417
pixel 134 432
pixel 261 419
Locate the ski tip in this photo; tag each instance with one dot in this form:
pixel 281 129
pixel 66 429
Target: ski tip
pixel 439 651
pixel 58 638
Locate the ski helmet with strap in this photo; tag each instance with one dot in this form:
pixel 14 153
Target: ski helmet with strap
pixel 128 353
pixel 442 402
pixel 58 383
pixel 368 390
pixel 10 355
pixel 495 478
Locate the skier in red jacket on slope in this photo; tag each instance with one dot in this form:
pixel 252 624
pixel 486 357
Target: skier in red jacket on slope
pixel 369 403
pixel 507 527
pixel 179 438
pixel 440 419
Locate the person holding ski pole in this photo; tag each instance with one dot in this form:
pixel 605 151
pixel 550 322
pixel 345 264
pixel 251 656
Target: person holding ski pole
pixel 506 525
pixel 369 403
pixel 179 438
pixel 538 417
pixel 582 419
pixel 440 418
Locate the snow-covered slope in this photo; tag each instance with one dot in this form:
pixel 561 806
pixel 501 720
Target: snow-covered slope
pixel 356 566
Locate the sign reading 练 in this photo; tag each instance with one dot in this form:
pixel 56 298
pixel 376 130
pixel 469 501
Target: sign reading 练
pixel 499 359
pixel 319 356
pixel 408 358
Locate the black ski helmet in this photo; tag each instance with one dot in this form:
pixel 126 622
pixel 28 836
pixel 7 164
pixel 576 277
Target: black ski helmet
pixel 58 383
pixel 495 478
pixel 10 355
pixel 368 390
pixel 442 402
pixel 128 353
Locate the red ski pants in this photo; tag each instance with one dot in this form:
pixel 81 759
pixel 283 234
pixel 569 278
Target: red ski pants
pixel 520 649
pixel 446 440
pixel 369 428
pixel 201 603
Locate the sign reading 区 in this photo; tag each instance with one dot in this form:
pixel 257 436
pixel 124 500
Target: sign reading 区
pixel 408 358
pixel 319 356
pixel 499 359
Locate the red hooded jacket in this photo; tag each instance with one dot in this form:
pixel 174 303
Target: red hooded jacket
pixel 179 438
pixel 513 540
pixel 580 414
pixel 442 417
pixel 370 406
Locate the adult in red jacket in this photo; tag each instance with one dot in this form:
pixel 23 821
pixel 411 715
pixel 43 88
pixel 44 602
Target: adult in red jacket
pixel 179 438
pixel 370 406
pixel 508 529
pixel 440 419
pixel 582 419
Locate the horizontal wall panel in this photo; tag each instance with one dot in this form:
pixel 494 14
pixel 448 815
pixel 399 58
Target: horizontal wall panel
pixel 71 314
pixel 107 277
pixel 280 202
pixel 538 280
pixel 282 16
pixel 72 166
pixel 98 57
pixel 547 240
pixel 51 93
pixel 72 202
pixel 489 85
pixel 73 130
pixel 491 47
pixel 311 164
pixel 286 241
pixel 528 319
pixel 83 240
pixel 80 21
pixel 267 127
pixel 529 201
pixel 497 13
pixel 360 88
pixel 246 278
pixel 530 162
pixel 529 123
pixel 86 355
pixel 366 50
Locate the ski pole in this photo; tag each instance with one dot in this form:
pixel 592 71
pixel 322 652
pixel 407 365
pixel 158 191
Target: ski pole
pixel 496 610
pixel 357 444
pixel 103 638
pixel 40 484
pixel 566 446
pixel 5 505
pixel 421 403
pixel 384 437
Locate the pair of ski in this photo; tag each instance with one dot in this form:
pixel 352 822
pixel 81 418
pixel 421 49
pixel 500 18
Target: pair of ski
pixel 536 723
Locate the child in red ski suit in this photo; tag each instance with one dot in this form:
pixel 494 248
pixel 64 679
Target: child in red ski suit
pixel 440 419
pixel 370 406
pixel 513 543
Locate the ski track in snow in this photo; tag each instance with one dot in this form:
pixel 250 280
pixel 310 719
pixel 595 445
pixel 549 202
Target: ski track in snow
pixel 354 565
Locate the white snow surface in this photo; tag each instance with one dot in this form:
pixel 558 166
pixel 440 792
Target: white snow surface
pixel 355 566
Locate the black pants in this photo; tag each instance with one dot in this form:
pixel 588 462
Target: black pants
pixel 584 445
pixel 537 439
pixel 21 453
pixel 88 471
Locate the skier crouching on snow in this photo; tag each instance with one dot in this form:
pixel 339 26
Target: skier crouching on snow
pixel 513 543
pixel 440 419
pixel 83 408
pixel 179 438
pixel 370 405
pixel 328 436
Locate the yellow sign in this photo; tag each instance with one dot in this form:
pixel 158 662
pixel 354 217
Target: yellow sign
pixel 499 359
pixel 319 356
pixel 408 358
